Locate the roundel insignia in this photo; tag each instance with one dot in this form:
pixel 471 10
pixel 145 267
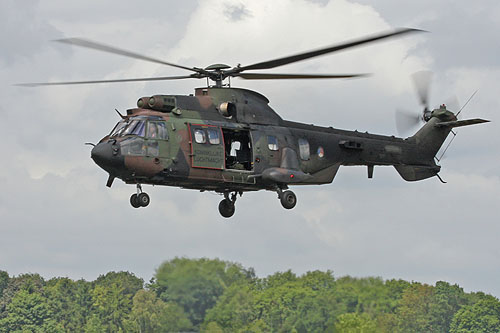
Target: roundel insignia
pixel 321 152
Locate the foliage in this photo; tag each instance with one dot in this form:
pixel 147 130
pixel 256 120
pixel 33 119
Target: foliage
pixel 150 314
pixel 483 316
pixel 4 281
pixel 28 311
pixel 112 299
pixel 355 323
pixel 196 284
pixel 219 296
pixel 70 302
pixel 430 309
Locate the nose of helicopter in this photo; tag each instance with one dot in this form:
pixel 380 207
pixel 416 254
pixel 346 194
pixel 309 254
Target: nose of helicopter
pixel 107 156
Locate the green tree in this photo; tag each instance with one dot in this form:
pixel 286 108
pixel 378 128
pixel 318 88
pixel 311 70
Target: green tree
pixel 112 299
pixel 4 281
pixel 128 282
pixel 414 311
pixel 355 323
pixel 29 282
pixel 95 325
pixel 282 302
pixel 150 314
pixel 70 302
pixel 428 308
pixel 234 310
pixel 447 300
pixel 196 284
pixel 28 312
pixel 483 316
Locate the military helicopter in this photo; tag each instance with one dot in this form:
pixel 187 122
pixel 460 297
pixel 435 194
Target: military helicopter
pixel 229 140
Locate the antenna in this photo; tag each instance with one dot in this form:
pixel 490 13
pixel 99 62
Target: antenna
pixel 466 103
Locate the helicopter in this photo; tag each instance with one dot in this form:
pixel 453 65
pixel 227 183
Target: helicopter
pixel 230 141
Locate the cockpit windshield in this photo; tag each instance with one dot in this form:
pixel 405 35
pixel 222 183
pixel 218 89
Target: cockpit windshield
pixel 145 127
pixel 129 127
pixel 118 129
pixel 135 127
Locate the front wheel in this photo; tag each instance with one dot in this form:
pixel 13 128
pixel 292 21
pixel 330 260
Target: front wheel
pixel 143 199
pixel 134 201
pixel 288 200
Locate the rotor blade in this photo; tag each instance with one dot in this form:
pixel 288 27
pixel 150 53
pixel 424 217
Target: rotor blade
pixel 271 76
pixel 110 49
pixel 406 121
pixel 192 76
pixel 310 54
pixel 422 81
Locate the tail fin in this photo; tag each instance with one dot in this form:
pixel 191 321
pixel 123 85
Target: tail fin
pixel 429 140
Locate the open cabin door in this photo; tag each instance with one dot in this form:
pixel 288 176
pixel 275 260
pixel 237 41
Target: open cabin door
pixel 238 149
pixel 207 146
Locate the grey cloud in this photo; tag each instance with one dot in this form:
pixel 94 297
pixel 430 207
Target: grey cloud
pixel 236 12
pixel 23 32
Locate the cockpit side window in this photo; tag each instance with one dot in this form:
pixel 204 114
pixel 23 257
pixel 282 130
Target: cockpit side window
pixel 157 130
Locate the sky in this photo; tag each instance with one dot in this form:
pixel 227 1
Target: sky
pixel 58 218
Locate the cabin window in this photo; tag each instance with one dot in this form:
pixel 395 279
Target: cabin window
pixel 213 136
pixel 304 149
pixel 272 142
pixel 199 136
pixel 157 130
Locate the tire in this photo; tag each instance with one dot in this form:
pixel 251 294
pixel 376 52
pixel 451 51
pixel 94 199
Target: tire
pixel 288 199
pixel 134 201
pixel 143 199
pixel 226 208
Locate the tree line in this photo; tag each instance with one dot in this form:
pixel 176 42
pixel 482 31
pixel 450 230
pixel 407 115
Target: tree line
pixel 219 296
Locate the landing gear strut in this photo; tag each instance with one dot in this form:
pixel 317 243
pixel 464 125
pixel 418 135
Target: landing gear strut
pixel 139 199
pixel 288 199
pixel 226 206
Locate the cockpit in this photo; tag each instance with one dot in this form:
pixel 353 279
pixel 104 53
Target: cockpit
pixel 140 136
pixel 149 127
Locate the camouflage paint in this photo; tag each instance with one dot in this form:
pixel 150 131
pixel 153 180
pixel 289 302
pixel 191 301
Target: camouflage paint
pixel 184 163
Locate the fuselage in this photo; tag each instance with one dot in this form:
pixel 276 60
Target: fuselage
pixel 227 139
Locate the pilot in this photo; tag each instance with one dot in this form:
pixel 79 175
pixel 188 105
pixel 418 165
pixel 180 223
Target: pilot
pixel 153 132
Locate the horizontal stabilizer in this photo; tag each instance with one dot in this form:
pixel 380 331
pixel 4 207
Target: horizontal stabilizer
pixel 413 173
pixel 459 123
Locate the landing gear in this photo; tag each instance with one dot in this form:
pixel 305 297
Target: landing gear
pixel 139 199
pixel 288 199
pixel 134 201
pixel 226 206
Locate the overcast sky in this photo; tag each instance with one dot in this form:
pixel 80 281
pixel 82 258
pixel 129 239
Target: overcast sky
pixel 57 218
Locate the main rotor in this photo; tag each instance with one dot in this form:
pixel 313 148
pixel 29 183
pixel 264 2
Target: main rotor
pixel 219 72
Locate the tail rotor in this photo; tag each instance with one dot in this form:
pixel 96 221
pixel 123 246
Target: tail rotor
pixel 406 121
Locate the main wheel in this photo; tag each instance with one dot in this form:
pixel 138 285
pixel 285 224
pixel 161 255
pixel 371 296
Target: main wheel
pixel 288 199
pixel 134 201
pixel 226 208
pixel 143 199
